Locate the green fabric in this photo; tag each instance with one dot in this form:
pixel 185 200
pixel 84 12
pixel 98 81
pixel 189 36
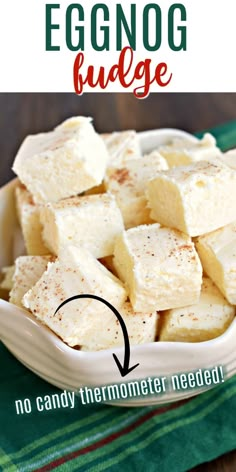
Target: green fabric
pixel 97 438
pixel 225 134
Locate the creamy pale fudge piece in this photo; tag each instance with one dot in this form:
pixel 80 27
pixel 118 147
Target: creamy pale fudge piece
pixel 76 272
pixel 128 185
pixel 229 158
pixel 160 267
pixel 62 163
pixel 217 252
pixel 122 147
pixel 195 199
pixel 182 152
pixel 91 221
pixel 106 333
pixel 7 282
pixel 28 270
pixel 29 219
pixel 205 320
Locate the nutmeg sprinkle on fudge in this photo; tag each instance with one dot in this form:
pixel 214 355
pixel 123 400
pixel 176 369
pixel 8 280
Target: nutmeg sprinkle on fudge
pixel 62 163
pixel 28 270
pixel 128 185
pixel 204 320
pixel 160 267
pixel 75 272
pixel 195 199
pixel 92 222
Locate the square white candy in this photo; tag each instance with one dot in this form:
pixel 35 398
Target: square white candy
pixel 205 320
pixel 29 218
pixel 159 266
pixel 105 332
pixel 91 221
pixel 28 270
pixel 217 251
pixel 62 163
pixel 128 185
pixel 76 272
pixel 195 199
pixel 122 147
pixel 182 152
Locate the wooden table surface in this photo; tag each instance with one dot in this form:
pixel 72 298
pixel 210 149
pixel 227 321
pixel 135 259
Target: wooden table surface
pixel 21 114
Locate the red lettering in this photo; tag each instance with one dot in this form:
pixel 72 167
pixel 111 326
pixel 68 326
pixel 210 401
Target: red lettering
pixel 91 80
pixel 78 79
pixel 161 69
pixel 124 71
pixel 143 70
pixel 113 74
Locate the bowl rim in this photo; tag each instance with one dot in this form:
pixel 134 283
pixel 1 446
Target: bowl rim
pixel 154 346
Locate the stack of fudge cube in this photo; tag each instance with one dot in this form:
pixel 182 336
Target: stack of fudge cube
pixel 154 234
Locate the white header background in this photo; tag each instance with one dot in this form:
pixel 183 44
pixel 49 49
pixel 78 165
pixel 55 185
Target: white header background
pixel 208 65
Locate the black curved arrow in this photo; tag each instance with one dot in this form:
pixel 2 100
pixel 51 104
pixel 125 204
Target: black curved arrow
pixel 125 369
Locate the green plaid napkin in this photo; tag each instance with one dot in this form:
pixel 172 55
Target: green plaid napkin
pixel 98 438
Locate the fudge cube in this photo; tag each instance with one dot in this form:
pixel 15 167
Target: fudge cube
pixel 229 158
pixel 62 163
pixel 76 272
pixel 160 267
pixel 122 147
pixel 182 152
pixel 205 320
pixel 128 185
pixel 106 333
pixel 7 282
pixel 217 252
pixel 29 219
pixel 91 221
pixel 28 270
pixel 195 199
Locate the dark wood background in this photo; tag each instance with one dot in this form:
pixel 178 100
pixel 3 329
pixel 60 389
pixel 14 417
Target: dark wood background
pixel 21 114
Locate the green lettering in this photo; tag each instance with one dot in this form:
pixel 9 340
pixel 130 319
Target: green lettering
pixel 50 27
pixel 158 22
pixel 183 29
pixel 121 23
pixel 80 29
pixel 94 27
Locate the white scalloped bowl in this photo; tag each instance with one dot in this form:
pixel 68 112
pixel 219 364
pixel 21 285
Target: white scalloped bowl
pixel 39 349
